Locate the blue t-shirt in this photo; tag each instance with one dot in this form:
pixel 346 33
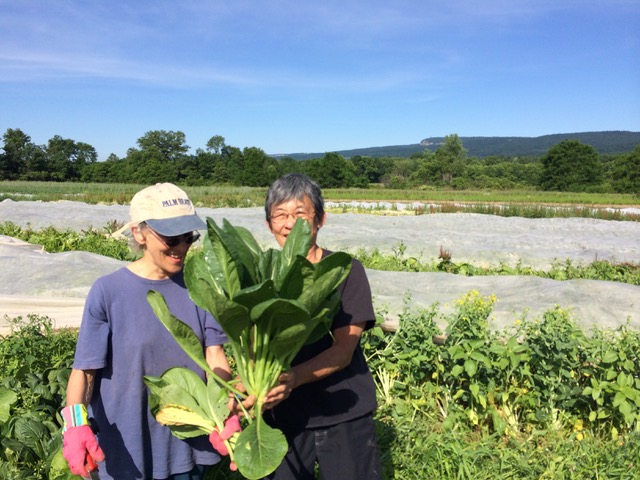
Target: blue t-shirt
pixel 122 339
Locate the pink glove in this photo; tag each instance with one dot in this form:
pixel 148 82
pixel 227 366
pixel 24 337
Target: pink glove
pixel 78 443
pixel 231 426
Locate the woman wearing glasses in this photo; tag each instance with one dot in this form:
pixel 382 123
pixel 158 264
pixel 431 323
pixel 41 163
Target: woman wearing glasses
pixel 121 341
pixel 324 403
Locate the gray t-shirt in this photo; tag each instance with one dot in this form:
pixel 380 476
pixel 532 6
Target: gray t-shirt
pixel 122 339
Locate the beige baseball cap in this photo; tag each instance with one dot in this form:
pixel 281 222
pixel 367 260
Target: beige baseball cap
pixel 165 208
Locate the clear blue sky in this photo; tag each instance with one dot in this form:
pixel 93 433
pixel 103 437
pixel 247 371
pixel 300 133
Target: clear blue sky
pixel 314 76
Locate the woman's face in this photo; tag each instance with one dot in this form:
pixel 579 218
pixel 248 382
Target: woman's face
pixel 283 217
pixel 164 255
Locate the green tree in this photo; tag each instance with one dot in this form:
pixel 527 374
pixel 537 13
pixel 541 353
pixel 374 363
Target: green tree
pixel 626 172
pixel 108 171
pixel 20 156
pixel 331 171
pixel 289 165
pixel 149 166
pixel 427 169
pixel 254 172
pixel 400 172
pixel 216 144
pixel 159 158
pixel 450 159
pixel 169 145
pixel 67 158
pixel 571 166
pixel 231 166
pixel 367 170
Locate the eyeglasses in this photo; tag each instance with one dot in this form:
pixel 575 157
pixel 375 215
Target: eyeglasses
pixel 172 242
pixel 282 217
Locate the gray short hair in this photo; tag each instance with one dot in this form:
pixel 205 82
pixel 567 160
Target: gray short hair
pixel 135 247
pixel 295 186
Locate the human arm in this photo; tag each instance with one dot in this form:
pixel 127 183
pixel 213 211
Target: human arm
pixel 79 441
pixel 328 362
pixel 80 386
pixel 217 361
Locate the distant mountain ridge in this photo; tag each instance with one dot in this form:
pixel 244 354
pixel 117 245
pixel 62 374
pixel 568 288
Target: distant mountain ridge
pixel 609 142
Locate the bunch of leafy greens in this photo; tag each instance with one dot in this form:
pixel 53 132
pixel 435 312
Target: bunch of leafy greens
pixel 270 304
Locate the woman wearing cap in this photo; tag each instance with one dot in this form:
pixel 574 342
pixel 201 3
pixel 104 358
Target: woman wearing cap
pixel 121 341
pixel 324 403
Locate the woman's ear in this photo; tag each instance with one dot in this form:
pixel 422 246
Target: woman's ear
pixel 322 220
pixel 136 231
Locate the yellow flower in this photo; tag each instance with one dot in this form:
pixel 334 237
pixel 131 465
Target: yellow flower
pixel 578 426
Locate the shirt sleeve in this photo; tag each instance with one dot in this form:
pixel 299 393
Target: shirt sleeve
pixel 93 339
pixel 213 333
pixel 356 304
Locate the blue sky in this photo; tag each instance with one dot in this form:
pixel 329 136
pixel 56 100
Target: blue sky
pixel 314 76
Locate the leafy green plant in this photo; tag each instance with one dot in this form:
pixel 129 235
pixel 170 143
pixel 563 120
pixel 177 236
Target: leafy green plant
pixel 54 240
pixel 35 361
pixel 423 432
pixel 269 303
pixel 612 379
pixel 558 350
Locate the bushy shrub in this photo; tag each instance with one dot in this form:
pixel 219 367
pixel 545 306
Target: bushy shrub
pixel 35 362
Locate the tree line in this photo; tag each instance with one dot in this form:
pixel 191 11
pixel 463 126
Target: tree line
pixel 163 156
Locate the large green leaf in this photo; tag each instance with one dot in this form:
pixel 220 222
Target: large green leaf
pixel 232 317
pixel 323 318
pixel 188 380
pixel 59 468
pixel 245 251
pixel 178 388
pixel 30 431
pixel 278 313
pixel 259 449
pixel 298 243
pixel 197 267
pixel 182 387
pixel 7 399
pixel 250 296
pixel 217 403
pixel 220 259
pixel 297 279
pixel 181 332
pixel 287 322
pixel 330 273
pixel 203 289
pixel 184 422
pixel 268 264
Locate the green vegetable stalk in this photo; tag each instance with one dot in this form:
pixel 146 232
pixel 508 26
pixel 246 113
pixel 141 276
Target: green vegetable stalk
pixel 270 304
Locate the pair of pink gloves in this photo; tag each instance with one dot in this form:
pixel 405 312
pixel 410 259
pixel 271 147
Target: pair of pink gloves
pixel 80 445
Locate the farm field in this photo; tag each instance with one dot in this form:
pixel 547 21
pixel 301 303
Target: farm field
pixel 230 196
pixel 441 415
pixel 475 239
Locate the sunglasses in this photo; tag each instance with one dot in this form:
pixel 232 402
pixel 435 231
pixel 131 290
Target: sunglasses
pixel 171 242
